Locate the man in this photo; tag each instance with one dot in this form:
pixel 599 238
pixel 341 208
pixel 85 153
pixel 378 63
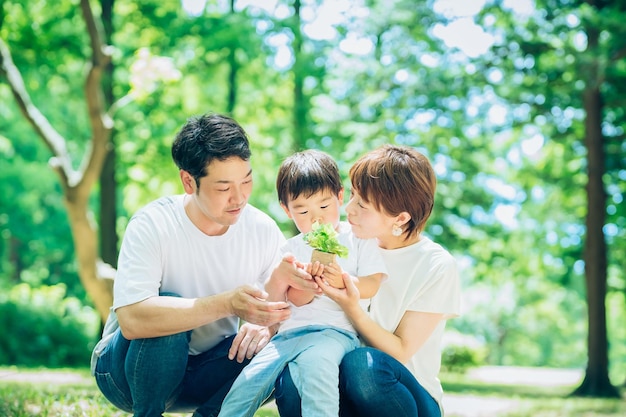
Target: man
pixel 189 267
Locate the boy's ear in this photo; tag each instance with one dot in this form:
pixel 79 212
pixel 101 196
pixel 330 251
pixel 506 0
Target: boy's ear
pixel 340 196
pixel 286 210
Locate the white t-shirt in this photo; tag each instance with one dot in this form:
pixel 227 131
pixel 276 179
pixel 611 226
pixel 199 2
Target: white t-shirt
pixel 163 251
pixel 363 259
pixel 422 277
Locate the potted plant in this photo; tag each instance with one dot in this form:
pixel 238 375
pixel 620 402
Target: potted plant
pixel 323 239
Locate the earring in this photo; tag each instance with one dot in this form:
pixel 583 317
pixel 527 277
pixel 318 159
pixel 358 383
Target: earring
pixel 396 230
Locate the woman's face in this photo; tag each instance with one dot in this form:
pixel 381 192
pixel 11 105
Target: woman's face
pixel 366 221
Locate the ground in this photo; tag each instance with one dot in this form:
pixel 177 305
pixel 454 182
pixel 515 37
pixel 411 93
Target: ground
pixel 456 405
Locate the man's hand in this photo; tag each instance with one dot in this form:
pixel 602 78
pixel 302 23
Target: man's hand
pixel 250 304
pixel 249 341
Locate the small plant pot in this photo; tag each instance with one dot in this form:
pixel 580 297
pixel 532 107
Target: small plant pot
pixel 324 258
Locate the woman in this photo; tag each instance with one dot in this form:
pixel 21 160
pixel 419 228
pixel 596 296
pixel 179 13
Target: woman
pixel 396 374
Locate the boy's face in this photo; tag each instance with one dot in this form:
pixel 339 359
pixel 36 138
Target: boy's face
pixel 322 207
pixel 222 195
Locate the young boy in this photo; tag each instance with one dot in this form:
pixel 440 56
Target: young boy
pixel 315 338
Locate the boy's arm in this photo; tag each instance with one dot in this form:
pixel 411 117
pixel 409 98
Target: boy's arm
pixel 281 291
pixel 299 297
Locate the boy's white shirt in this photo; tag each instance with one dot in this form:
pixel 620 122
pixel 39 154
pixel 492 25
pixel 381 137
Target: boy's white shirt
pixel 422 277
pixel 363 259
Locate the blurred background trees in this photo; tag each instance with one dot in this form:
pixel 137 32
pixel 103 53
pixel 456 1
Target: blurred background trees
pixel 519 105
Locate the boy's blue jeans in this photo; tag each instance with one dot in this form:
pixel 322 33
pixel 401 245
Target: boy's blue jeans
pixel 312 354
pixel 150 376
pixel 371 383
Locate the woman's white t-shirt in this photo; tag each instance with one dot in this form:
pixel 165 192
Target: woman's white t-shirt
pixel 422 277
pixel 163 251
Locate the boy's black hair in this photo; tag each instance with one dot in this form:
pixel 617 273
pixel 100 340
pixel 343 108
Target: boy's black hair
pixel 307 172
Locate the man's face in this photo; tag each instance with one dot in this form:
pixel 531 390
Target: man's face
pixel 222 195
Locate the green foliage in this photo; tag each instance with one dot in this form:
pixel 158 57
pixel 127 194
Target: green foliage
pixel 323 237
pixel 44 327
pixel 523 274
pixel 459 358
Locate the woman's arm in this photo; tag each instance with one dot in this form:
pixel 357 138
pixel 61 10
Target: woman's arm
pixel 367 285
pixel 414 328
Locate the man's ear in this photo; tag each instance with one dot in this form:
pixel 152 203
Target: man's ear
pixel 189 182
pixel 286 210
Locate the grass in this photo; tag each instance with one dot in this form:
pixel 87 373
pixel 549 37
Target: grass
pixel 42 392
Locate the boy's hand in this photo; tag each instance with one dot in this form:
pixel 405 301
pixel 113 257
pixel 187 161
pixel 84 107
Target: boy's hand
pixel 316 269
pixel 332 275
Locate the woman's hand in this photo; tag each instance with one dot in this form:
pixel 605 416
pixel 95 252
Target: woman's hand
pixel 347 298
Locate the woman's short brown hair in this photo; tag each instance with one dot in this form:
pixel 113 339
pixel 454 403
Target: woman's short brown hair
pixel 397 179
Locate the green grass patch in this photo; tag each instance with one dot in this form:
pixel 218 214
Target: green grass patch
pixel 73 393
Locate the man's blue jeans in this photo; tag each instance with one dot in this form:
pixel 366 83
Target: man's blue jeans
pixel 150 376
pixel 371 383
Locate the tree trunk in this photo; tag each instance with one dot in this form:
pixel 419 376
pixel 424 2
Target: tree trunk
pixel 596 382
pixel 76 184
pixel 108 183
pixel 232 73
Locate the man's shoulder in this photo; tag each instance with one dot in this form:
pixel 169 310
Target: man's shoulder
pixel 165 204
pixel 159 213
pixel 252 214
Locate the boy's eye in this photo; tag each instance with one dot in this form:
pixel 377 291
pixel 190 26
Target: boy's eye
pixel 226 189
pixel 303 212
pixel 324 207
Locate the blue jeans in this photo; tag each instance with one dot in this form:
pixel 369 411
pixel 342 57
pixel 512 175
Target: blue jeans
pixel 312 354
pixel 151 376
pixel 371 383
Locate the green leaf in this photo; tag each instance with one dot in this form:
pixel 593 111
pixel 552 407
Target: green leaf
pixel 324 238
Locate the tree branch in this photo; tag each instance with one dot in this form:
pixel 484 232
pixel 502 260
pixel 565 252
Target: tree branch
pixel 101 123
pixel 61 160
pixel 619 54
